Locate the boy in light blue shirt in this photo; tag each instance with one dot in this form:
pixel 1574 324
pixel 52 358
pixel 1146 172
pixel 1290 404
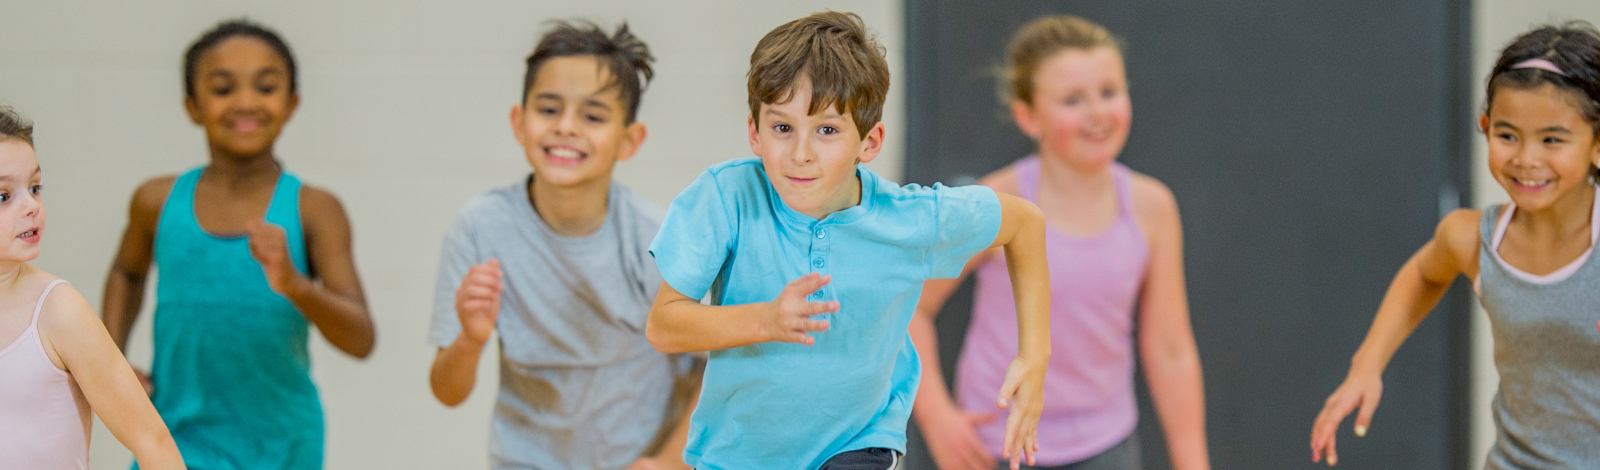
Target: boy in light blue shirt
pixel 814 264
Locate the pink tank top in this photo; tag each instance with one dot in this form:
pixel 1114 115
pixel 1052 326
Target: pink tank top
pixel 44 419
pixel 1089 404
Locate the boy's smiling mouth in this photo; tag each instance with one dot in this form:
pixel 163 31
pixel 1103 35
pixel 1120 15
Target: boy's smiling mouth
pixel 563 155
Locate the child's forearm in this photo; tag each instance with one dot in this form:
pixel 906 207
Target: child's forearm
pixel 1178 395
pixel 683 325
pixel 158 453
pixel 932 395
pixel 344 322
pixel 455 370
pixel 1409 299
pixel 1030 282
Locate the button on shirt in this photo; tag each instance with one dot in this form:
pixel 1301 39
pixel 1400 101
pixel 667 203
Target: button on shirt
pixel 784 405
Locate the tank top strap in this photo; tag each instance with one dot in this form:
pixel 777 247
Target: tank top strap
pixel 180 200
pixel 39 306
pixel 284 211
pixel 1122 178
pixel 1027 172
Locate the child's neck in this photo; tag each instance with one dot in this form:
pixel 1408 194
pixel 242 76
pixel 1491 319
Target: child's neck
pixel 235 172
pixel 1075 182
pixel 1568 215
pixel 571 211
pixel 848 196
pixel 11 274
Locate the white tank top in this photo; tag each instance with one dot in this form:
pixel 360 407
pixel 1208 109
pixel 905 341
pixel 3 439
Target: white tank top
pixel 44 419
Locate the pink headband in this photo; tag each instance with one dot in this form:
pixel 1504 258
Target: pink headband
pixel 1539 64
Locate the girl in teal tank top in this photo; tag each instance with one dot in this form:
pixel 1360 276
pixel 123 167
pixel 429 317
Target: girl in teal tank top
pixel 249 259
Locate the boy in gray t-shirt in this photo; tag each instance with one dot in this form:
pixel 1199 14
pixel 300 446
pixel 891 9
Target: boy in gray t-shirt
pixel 558 264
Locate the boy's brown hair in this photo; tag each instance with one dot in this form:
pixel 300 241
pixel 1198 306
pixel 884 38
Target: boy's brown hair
pixel 624 55
pixel 845 65
pixel 14 126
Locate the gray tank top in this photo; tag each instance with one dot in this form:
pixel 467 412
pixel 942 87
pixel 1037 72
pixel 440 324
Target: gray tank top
pixel 1547 350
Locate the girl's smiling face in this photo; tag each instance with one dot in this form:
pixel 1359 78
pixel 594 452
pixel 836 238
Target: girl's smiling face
pixel 1540 147
pixel 241 96
pixel 21 209
pixel 1080 110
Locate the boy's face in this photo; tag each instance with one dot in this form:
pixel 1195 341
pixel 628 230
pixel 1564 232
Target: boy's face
pixel 241 96
pixel 811 158
pixel 572 126
pixel 21 209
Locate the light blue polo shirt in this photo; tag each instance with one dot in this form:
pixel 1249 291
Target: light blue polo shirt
pixel 783 405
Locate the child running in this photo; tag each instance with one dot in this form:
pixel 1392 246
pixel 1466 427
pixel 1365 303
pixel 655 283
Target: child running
pixel 1530 262
pixel 56 361
pixel 557 263
pixel 249 258
pixel 813 265
pixel 1114 242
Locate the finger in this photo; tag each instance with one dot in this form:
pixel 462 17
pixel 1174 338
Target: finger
pixel 806 284
pixel 819 308
pixel 1333 450
pixel 1009 443
pixel 803 324
pixel 1008 389
pixel 1369 405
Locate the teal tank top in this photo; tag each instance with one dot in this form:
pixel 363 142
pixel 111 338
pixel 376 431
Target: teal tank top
pixel 231 371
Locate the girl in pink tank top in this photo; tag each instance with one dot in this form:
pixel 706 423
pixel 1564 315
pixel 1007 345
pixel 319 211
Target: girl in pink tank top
pixel 1114 242
pixel 56 359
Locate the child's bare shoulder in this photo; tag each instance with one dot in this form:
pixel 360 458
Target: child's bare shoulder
pixel 319 206
pixel 1151 197
pixel 152 194
pixel 1458 233
pixel 63 307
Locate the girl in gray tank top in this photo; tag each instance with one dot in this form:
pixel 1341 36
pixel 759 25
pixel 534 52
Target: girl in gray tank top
pixel 1530 262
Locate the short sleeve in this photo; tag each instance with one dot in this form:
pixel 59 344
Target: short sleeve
pixel 455 259
pixel 695 238
pixel 967 220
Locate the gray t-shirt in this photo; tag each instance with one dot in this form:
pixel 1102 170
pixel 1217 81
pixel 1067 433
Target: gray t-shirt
pixel 580 387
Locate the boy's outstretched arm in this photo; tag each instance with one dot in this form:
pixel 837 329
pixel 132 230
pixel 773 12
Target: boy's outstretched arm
pixel 680 324
pixel 1022 235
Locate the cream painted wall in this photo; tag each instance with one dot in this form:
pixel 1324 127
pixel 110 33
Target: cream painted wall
pixel 1495 24
pixel 404 116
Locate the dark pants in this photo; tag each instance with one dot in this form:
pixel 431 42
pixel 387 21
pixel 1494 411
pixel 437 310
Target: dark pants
pixel 875 458
pixel 1123 456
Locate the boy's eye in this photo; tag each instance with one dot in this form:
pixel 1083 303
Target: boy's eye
pixel 828 130
pixel 1073 100
pixel 1507 137
pixel 266 89
pixel 595 118
pixel 5 197
pixel 1107 93
pixel 222 90
pixel 784 128
pixel 1553 140
pixel 547 111
pixel 36 189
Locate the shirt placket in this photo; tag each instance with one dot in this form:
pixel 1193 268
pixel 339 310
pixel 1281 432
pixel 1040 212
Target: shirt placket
pixel 819 261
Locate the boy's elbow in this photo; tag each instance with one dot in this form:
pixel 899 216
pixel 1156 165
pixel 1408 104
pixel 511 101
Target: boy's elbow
pixel 657 338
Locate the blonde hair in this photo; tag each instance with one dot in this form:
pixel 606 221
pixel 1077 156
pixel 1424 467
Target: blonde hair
pixel 14 126
pixel 1039 40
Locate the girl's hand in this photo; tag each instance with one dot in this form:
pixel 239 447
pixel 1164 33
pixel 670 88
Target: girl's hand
pixel 1023 394
pixel 788 317
pixel 1358 390
pixel 270 247
pixel 478 300
pixel 953 441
